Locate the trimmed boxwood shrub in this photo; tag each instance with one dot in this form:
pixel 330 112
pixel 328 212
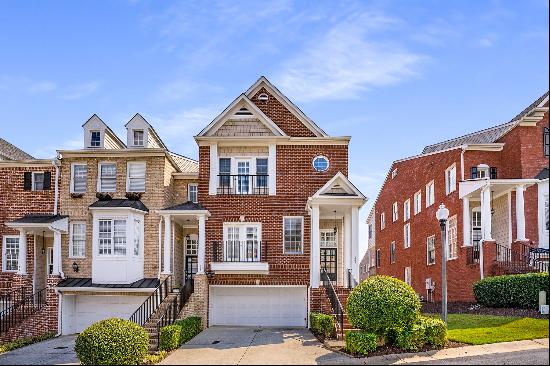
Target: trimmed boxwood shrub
pixel 322 325
pixel 112 342
pixel 435 331
pixel 425 331
pixel 360 343
pixel 189 328
pixel 512 291
pixel 170 336
pixel 380 303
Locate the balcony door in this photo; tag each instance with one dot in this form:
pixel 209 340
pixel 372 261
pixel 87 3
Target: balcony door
pixel 243 177
pixel 242 243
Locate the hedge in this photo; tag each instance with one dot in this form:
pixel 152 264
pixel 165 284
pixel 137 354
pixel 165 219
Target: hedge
pixel 426 331
pixel 112 342
pixel 190 327
pixel 360 343
pixel 512 291
pixel 182 331
pixel 322 325
pixel 380 303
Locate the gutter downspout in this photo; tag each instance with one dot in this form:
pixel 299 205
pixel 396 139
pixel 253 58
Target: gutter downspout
pixel 462 162
pixel 160 243
pixel 55 163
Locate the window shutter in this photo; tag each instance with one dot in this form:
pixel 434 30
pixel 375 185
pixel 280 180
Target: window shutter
pixel 27 181
pixel 493 173
pixel 473 171
pixel 47 180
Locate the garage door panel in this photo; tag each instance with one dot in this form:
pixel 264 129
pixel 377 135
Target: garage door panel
pixel 258 306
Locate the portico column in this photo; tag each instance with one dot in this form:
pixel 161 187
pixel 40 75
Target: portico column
pixel 166 270
pixel 347 245
pixel 354 241
pixel 486 214
pixel 22 262
pixel 520 214
pixel 202 244
pixel 315 247
pixel 466 220
pixel 56 253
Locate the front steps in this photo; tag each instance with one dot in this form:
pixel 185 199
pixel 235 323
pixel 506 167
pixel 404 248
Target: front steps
pixel 151 324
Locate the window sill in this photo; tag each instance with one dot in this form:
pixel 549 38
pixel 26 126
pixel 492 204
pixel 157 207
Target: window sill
pixel 240 267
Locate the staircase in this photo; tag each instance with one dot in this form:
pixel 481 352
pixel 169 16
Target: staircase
pixel 18 305
pixel 162 308
pixel 337 298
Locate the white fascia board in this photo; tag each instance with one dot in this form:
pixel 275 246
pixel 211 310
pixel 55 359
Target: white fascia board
pixel 27 163
pixel 184 212
pixel 177 175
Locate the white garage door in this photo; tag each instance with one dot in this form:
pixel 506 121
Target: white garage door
pixel 258 306
pixel 81 311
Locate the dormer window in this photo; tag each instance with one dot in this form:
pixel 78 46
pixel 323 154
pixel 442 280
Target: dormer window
pixel 95 140
pixel 483 171
pixel 138 137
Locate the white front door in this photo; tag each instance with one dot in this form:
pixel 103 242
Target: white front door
pixel 243 178
pixel 258 306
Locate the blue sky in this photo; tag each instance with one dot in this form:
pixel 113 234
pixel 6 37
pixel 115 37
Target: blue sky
pixel 395 75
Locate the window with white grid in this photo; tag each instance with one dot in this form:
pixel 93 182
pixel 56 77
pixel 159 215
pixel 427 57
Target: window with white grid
pixel 408 276
pixel 328 238
pixel 392 252
pixel 407 210
pixel 417 202
pixel 452 232
pixel 450 179
pixel 293 235
pixel 430 194
pixel 107 177
pixel 382 220
pixel 138 138
pixel 105 237
pixel 192 245
pixel 136 177
pixel 119 237
pixel 112 237
pixel 430 250
pixel 192 192
pixel 79 174
pixel 10 253
pixel 407 235
pixel 395 211
pixel 78 240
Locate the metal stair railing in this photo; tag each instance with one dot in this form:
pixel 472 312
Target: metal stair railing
pixel 22 309
pixel 152 303
pixel 337 307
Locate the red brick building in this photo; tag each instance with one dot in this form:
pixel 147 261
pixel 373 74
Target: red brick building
pixel 495 184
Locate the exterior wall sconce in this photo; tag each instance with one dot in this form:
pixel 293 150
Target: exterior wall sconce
pixel 75 267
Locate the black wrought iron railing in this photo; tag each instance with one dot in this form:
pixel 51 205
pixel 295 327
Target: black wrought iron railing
pixel 173 309
pixel 240 251
pixel 335 303
pixel 22 309
pixel 523 258
pixel 12 296
pixel 243 184
pixel 472 254
pixel 152 303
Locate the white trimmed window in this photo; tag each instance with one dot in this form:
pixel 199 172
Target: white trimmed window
pixel 77 244
pixel 138 138
pixel 417 202
pixel 392 252
pixel 430 194
pixel 192 245
pixel 408 276
pixel 450 179
pixel 394 173
pixel 136 177
pixel 430 250
pixel 38 181
pixel 137 237
pixel 10 253
pixel 95 138
pixel 107 177
pixel 79 175
pixel 452 235
pixel 293 233
pixel 382 221
pixel 407 210
pixel 112 237
pixel 328 238
pixel 395 212
pixel 193 192
pixel 407 235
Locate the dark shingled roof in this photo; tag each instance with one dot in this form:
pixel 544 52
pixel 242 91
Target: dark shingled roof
pixel 486 136
pixel 87 282
pixel 543 174
pixel 12 152
pixel 39 219
pixel 121 203
pixel 186 206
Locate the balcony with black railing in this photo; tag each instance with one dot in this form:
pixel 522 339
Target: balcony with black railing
pixel 243 184
pixel 239 256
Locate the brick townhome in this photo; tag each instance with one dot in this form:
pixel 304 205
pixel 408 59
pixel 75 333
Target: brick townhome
pixel 495 184
pixel 248 229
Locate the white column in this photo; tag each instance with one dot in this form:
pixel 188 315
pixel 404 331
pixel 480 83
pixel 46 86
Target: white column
pixel 520 214
pixel 214 169
pixel 57 253
pixel 347 245
pixel 315 274
pixel 166 270
pixel 202 244
pixel 354 242
pixel 272 169
pixel 22 262
pixel 486 213
pixel 466 221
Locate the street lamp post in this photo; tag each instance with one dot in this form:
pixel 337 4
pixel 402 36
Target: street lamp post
pixel 442 215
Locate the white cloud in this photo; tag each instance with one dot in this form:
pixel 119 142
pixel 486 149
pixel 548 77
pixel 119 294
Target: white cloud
pixel 49 151
pixel 42 87
pixel 80 91
pixel 487 41
pixel 345 62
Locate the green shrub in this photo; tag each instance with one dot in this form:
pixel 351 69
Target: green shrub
pixel 190 327
pixel 380 303
pixel 435 331
pixel 360 343
pixel 424 331
pixel 410 338
pixel 512 291
pixel 322 325
pixel 153 359
pixel 112 342
pixel 170 336
pixel 10 346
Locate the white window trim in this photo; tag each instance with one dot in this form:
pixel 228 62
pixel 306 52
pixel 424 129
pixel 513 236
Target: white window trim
pixel 112 219
pixel 448 188
pixel 100 139
pixel 394 244
pixel 71 239
pixel 189 192
pixel 417 194
pixel 101 163
pixel 428 251
pixel 394 173
pixel 4 252
pixel 327 231
pixel 32 182
pixel 128 176
pixel 302 243
pixel 428 196
pixel 134 137
pixel 407 210
pixel 448 236
pixel 72 177
pixel 407 229
pixel 318 157
pixel 395 212
pixel 382 221
pixel 409 271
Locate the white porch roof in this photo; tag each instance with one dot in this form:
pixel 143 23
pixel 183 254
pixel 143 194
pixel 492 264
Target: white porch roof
pixel 498 186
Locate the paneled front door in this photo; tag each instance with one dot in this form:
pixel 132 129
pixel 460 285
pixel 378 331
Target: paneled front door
pixel 328 262
pixel 191 266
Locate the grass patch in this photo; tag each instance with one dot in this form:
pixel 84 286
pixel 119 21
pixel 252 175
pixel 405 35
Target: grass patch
pixel 483 329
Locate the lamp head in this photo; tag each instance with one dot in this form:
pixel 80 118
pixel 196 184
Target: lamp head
pixel 442 213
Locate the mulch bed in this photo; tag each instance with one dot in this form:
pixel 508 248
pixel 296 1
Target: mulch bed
pixel 392 350
pixel 473 308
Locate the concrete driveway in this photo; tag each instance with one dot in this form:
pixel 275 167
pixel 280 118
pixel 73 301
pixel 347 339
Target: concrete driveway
pixel 56 351
pixel 253 346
